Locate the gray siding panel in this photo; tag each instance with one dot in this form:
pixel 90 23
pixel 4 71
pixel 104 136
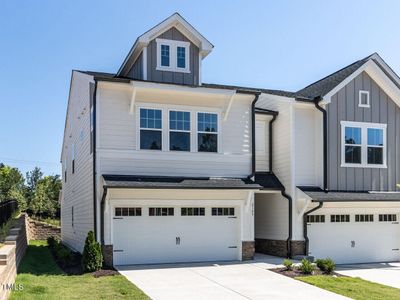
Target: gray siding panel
pixel 136 72
pixel 191 78
pixel 344 106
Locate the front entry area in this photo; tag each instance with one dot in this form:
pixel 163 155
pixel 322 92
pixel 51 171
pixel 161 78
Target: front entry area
pixel 153 234
pixel 355 237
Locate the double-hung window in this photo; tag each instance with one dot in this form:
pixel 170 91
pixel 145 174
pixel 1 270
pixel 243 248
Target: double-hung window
pixel 207 132
pixel 150 129
pixel 173 55
pixel 363 145
pixel 179 130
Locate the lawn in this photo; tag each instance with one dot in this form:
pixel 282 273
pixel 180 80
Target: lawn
pixel 355 288
pixel 43 279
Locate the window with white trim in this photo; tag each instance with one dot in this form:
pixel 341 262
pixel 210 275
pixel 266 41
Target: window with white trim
pixel 207 132
pixel 316 219
pixel 363 144
pixel 364 218
pixel 363 99
pixel 173 55
pixel 387 218
pixel 340 218
pixel 150 129
pixel 179 130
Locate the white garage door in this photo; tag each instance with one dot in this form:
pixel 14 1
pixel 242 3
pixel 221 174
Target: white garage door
pixel 355 238
pixel 148 235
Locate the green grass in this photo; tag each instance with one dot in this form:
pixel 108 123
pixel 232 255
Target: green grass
pixel 43 279
pixel 55 222
pixel 355 288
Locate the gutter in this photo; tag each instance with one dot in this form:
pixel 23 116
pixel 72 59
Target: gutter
pixel 94 162
pixel 305 232
pixel 253 135
pixel 102 205
pixel 317 100
pixel 289 239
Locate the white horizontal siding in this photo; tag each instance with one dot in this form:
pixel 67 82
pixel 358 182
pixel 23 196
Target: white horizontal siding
pixel 78 190
pixel 117 136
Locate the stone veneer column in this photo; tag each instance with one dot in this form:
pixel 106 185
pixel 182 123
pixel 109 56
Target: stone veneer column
pixel 108 255
pixel 248 249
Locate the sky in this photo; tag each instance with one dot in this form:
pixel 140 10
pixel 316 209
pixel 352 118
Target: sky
pixel 270 44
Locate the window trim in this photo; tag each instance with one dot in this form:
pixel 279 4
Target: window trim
pixel 208 132
pixel 151 129
pixel 364 144
pixel 178 130
pixel 360 93
pixel 173 57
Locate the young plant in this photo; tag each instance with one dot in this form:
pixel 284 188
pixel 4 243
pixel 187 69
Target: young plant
pixel 92 259
pixel 306 267
pixel 288 264
pixel 329 266
pixel 320 264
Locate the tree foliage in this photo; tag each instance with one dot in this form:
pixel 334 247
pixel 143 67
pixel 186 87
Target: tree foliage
pixel 36 192
pixel 92 258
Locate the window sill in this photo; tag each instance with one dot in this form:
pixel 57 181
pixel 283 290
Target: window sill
pixel 169 69
pixel 363 166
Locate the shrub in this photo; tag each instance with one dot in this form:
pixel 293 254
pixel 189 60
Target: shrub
pixel 51 241
pixel 306 267
pixel 64 255
pixel 288 264
pixel 329 265
pixel 320 264
pixel 92 258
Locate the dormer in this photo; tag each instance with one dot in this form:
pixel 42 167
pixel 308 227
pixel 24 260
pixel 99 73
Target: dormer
pixel 170 52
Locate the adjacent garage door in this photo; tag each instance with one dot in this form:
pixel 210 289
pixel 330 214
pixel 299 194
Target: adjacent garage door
pixel 148 235
pixel 354 238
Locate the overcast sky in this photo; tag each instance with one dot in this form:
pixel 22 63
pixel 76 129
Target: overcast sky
pixel 269 44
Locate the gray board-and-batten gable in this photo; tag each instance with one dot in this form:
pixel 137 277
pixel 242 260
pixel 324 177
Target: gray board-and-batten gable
pixel 345 106
pixel 191 78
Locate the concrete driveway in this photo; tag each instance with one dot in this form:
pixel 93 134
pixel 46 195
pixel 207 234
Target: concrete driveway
pixel 247 280
pixel 383 273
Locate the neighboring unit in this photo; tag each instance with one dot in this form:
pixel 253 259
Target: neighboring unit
pixel 165 168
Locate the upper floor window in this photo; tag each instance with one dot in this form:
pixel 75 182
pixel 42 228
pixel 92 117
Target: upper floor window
pixel 179 130
pixel 207 132
pixel 363 100
pixel 150 129
pixel 172 55
pixel 363 144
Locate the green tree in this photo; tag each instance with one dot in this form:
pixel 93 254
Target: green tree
pixel 92 257
pixel 12 185
pixel 45 196
pixel 32 179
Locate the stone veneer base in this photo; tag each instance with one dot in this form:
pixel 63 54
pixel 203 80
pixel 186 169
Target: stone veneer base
pixel 279 247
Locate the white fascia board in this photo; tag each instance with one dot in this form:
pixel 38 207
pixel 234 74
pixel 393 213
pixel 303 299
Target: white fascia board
pixel 184 89
pixel 376 73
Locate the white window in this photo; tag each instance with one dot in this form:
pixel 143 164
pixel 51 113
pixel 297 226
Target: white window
pixel 150 129
pixel 316 219
pixel 363 145
pixel 340 218
pixel 223 211
pixel 179 130
pixel 363 100
pixel 387 218
pixel 173 55
pixel 364 218
pixel 207 132
pixel 192 211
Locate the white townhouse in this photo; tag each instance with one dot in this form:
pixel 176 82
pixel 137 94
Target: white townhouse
pixel 165 168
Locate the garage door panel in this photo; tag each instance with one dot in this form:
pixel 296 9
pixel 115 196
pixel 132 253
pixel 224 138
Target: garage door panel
pixel 166 239
pixel 355 242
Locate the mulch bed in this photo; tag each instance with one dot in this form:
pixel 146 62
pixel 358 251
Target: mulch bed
pixel 105 272
pixel 297 273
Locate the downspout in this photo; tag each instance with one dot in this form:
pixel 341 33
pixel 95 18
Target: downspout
pixel 102 206
pixel 94 162
pixel 289 239
pixel 305 232
pixel 325 141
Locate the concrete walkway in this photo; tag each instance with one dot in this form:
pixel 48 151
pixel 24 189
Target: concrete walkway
pixel 383 273
pixel 238 280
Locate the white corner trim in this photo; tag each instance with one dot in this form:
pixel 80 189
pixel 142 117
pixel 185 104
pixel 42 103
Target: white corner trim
pixel 360 104
pixel 144 61
pixel 364 144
